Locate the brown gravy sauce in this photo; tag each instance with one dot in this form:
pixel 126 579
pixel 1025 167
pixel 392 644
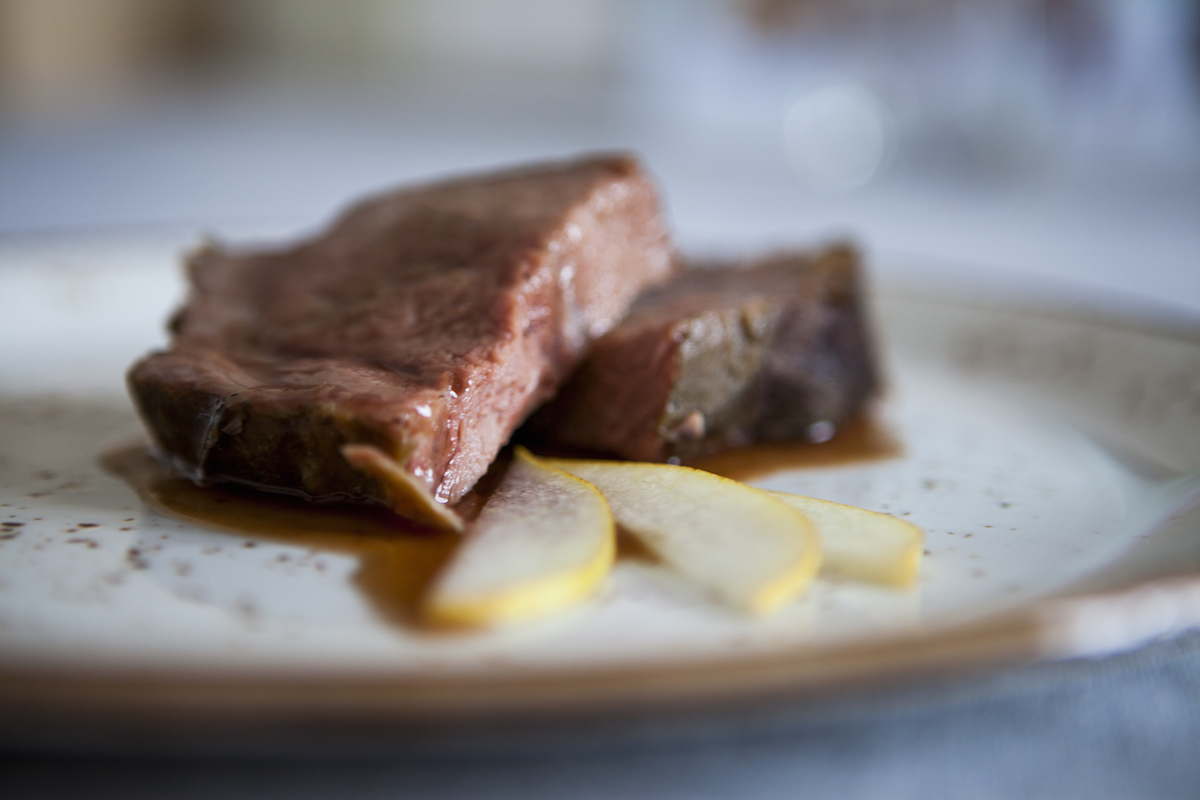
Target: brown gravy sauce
pixel 398 559
pixel 863 440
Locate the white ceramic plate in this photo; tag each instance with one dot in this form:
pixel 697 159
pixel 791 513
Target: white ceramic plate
pixel 1051 457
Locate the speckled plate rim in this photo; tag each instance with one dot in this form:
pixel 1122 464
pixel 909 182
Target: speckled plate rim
pixel 76 707
pixel 337 715
pixel 91 709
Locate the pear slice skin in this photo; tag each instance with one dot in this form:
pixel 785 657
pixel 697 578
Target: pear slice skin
pixel 750 549
pixel 862 545
pixel 406 495
pixel 543 542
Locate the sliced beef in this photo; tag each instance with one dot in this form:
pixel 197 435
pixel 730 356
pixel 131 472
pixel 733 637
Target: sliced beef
pixel 389 358
pixel 723 356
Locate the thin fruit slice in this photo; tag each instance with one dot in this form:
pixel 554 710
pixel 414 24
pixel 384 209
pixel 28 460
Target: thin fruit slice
pixel 406 496
pixel 543 541
pixel 862 545
pixel 750 549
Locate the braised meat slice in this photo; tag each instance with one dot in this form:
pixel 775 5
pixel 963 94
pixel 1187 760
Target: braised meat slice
pixel 723 356
pixel 390 358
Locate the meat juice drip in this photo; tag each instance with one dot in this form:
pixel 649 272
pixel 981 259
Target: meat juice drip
pixel 396 559
pixel 863 440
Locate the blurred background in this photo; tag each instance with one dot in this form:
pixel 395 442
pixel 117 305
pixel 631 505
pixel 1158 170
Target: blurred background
pixel 1058 137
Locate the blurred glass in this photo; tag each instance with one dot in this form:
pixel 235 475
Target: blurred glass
pixel 981 88
pixel 836 96
pixel 838 138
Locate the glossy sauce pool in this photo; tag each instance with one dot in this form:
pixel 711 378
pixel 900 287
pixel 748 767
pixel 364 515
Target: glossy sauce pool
pixel 398 559
pixel 861 441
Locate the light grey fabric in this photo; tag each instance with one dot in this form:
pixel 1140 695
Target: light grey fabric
pixel 1123 727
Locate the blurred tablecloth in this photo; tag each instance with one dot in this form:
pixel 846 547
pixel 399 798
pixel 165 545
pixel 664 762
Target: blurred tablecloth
pixel 1121 727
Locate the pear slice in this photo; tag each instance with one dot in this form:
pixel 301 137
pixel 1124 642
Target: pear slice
pixel 750 549
pixel 544 541
pixel 862 545
pixel 406 495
